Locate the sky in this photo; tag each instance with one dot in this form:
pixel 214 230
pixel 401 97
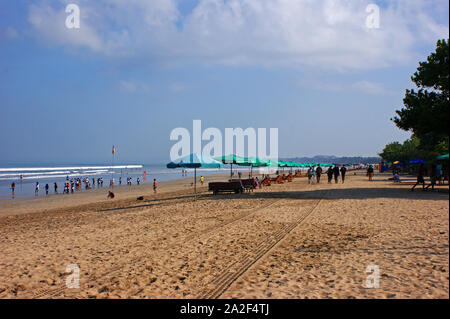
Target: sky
pixel 135 70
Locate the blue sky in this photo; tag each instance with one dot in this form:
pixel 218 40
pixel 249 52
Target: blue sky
pixel 135 70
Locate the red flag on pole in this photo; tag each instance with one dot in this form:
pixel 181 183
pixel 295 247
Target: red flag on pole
pixel 113 150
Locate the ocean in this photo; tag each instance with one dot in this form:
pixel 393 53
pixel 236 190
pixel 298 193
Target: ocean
pixel 26 176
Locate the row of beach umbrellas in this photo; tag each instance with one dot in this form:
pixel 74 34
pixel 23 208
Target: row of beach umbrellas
pixel 197 160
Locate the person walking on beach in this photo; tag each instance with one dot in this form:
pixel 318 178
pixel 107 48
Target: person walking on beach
pixel 202 179
pixel 433 177
pixel 120 180
pixel 420 179
pixel 138 181
pixel 318 173
pixel 336 174
pixel 55 185
pixel 370 172
pixel 330 174
pixel 13 188
pixel 46 189
pixel 155 185
pixel 343 172
pixel 36 190
pixel 309 173
pixel 313 175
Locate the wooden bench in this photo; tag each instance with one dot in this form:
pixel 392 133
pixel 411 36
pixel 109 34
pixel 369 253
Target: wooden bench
pixel 224 187
pixel 249 184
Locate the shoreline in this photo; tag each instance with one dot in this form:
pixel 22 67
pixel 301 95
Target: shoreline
pixel 122 192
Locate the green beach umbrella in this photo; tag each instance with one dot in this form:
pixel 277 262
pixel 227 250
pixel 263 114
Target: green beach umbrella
pixel 195 161
pixel 233 159
pixel 256 162
pixel 442 157
pixel 272 163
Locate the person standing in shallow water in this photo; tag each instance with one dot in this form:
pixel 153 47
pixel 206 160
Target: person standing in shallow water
pixel 13 188
pixel 36 190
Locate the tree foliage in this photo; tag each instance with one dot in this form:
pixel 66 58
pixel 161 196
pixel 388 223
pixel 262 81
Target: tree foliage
pixel 426 111
pixel 402 152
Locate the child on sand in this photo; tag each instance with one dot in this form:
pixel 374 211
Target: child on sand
pixel 202 179
pixel 155 185
pixel 370 172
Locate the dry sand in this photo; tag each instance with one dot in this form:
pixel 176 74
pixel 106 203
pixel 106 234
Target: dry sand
pixel 284 241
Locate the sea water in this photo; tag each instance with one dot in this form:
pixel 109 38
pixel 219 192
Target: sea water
pixel 26 176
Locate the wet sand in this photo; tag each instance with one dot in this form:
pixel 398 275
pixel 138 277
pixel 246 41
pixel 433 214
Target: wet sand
pixel 292 240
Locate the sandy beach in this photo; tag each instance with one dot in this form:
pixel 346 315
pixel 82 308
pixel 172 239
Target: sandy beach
pixel 292 240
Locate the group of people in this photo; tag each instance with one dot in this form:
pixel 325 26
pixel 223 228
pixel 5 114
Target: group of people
pixel 421 180
pixel 315 173
pixel 73 184
pixel 70 185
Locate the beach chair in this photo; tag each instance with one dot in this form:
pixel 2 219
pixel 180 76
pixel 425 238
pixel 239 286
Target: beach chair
pixel 266 182
pixel 277 180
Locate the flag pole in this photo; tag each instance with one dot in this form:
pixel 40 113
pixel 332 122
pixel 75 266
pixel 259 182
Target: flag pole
pixel 112 166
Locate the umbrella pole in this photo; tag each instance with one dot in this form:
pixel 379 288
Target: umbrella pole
pixel 195 183
pixel 231 171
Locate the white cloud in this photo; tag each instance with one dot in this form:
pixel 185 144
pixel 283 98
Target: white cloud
pixel 342 85
pixel 327 34
pixel 133 86
pixel 10 33
pixel 372 88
